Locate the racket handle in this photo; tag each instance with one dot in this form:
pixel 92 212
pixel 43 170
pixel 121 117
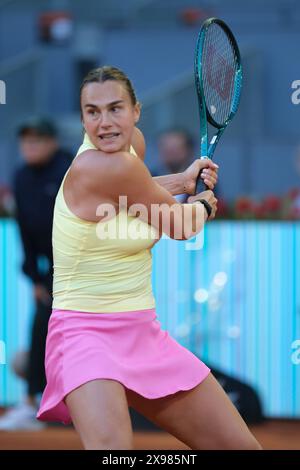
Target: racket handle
pixel 200 185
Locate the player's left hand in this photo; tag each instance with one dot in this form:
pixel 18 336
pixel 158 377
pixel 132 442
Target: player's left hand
pixel 209 174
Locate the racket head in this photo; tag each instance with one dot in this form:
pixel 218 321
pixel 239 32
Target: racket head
pixel 218 74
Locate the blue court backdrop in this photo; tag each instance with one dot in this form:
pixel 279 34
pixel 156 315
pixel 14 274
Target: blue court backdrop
pixel 235 303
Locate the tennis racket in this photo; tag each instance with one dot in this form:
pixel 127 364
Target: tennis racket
pixel 218 81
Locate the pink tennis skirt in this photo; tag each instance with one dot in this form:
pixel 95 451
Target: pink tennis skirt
pixel 129 347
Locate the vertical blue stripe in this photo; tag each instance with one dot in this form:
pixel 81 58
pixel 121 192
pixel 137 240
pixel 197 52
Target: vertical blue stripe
pixel 268 395
pixel 295 314
pixel 4 309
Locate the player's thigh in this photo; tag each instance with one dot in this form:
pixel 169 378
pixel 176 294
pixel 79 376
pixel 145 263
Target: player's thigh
pixel 202 418
pixel 99 411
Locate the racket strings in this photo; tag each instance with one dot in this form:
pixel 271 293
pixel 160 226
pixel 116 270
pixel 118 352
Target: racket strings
pixel 219 67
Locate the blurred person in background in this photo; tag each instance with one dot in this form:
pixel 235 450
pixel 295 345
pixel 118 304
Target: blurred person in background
pixel 36 183
pixel 176 151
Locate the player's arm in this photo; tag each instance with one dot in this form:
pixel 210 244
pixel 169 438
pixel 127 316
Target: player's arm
pixel 179 183
pixel 185 182
pixel 129 177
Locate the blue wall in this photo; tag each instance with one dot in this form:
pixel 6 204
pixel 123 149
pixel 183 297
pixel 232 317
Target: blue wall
pixel 235 304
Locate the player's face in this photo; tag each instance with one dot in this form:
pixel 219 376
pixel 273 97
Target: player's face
pixel 108 115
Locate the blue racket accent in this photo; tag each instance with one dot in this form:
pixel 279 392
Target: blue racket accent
pixel 218 81
pixel 201 100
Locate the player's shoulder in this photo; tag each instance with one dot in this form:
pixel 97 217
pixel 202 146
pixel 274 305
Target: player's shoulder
pixel 94 166
pixel 93 160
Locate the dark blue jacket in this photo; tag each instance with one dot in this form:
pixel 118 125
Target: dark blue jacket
pixel 35 189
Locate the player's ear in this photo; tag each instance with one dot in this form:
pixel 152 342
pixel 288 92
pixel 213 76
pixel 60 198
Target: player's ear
pixel 82 123
pixel 83 128
pixel 137 112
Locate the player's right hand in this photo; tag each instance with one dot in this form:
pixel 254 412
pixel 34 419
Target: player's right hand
pixel 209 197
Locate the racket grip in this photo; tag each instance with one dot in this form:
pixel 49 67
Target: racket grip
pixel 200 185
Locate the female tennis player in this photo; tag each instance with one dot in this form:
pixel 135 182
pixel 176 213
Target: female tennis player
pixel 106 350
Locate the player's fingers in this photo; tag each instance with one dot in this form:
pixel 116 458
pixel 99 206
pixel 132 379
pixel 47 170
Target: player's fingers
pixel 213 180
pixel 209 183
pixel 209 180
pixel 212 165
pixel 208 172
pixel 207 163
pixel 205 173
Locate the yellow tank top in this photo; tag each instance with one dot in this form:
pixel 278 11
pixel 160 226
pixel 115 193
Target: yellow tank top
pixel 101 273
